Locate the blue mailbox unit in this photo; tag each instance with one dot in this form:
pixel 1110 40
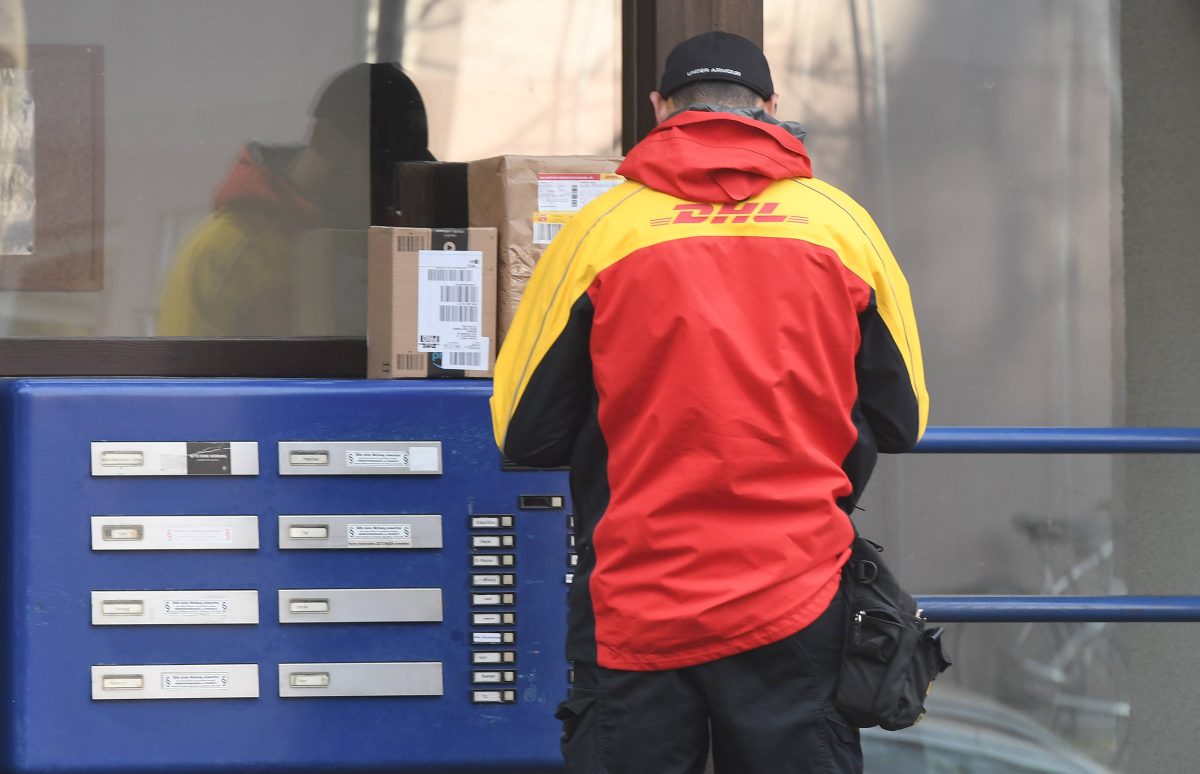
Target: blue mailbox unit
pixel 276 575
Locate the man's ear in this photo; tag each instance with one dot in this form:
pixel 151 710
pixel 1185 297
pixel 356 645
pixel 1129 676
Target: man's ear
pixel 662 107
pixel 771 105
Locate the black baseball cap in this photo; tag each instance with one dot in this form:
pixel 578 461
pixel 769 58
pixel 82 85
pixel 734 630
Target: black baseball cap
pixel 717 56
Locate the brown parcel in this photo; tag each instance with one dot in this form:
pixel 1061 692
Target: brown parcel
pixel 503 192
pixel 393 282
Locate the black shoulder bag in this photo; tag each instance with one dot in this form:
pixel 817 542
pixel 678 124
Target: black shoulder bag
pixel 891 655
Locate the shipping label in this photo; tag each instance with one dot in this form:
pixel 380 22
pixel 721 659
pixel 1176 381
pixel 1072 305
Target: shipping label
pixel 572 192
pixel 561 195
pixel 450 308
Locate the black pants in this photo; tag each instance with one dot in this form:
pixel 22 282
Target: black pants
pixel 765 711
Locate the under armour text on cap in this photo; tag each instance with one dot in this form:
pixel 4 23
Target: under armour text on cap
pixel 717 56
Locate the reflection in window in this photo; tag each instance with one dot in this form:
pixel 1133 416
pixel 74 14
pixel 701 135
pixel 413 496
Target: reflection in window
pixel 981 135
pixel 237 273
pixel 182 131
pixel 17 190
pixel 517 76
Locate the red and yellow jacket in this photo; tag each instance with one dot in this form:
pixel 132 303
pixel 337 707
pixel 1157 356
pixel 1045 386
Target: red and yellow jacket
pixel 233 274
pixel 718 348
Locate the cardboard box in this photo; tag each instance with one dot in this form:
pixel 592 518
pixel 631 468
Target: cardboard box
pixel 429 194
pixel 329 288
pixel 431 303
pixel 527 199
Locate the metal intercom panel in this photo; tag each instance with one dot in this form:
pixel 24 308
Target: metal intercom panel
pixel 275 575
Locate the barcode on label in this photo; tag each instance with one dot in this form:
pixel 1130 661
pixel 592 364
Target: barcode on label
pixel 458 313
pixel 410 361
pixel 409 243
pixel 544 233
pixel 450 275
pixel 459 294
pixel 462 359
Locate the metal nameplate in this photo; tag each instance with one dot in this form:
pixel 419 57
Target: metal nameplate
pixel 175 681
pixel 174 533
pixel 359 531
pixel 360 458
pixel 360 605
pixel 174 608
pixel 403 678
pixel 174 458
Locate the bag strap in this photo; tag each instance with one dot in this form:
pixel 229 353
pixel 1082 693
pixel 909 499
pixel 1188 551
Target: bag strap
pixel 862 570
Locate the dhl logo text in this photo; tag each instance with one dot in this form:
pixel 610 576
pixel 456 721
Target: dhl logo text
pixel 745 212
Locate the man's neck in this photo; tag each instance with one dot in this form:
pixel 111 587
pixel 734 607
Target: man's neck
pixel 756 113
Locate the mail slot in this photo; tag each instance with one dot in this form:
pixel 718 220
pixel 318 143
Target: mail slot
pixel 308 679
pixel 183 607
pixel 175 681
pixel 409 678
pixel 373 531
pixel 360 605
pixel 305 532
pixel 174 533
pixel 174 458
pixel 360 458
pixel 308 606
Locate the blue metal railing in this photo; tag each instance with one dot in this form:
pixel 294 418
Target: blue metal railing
pixel 1075 609
pixel 1060 440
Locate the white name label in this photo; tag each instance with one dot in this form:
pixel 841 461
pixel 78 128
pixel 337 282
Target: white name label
pixel 209 681
pixel 379 534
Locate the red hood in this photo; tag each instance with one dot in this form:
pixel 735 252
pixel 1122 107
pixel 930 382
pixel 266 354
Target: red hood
pixel 715 157
pixel 255 180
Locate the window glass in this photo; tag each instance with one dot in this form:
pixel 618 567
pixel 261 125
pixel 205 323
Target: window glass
pixel 185 164
pixel 982 137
